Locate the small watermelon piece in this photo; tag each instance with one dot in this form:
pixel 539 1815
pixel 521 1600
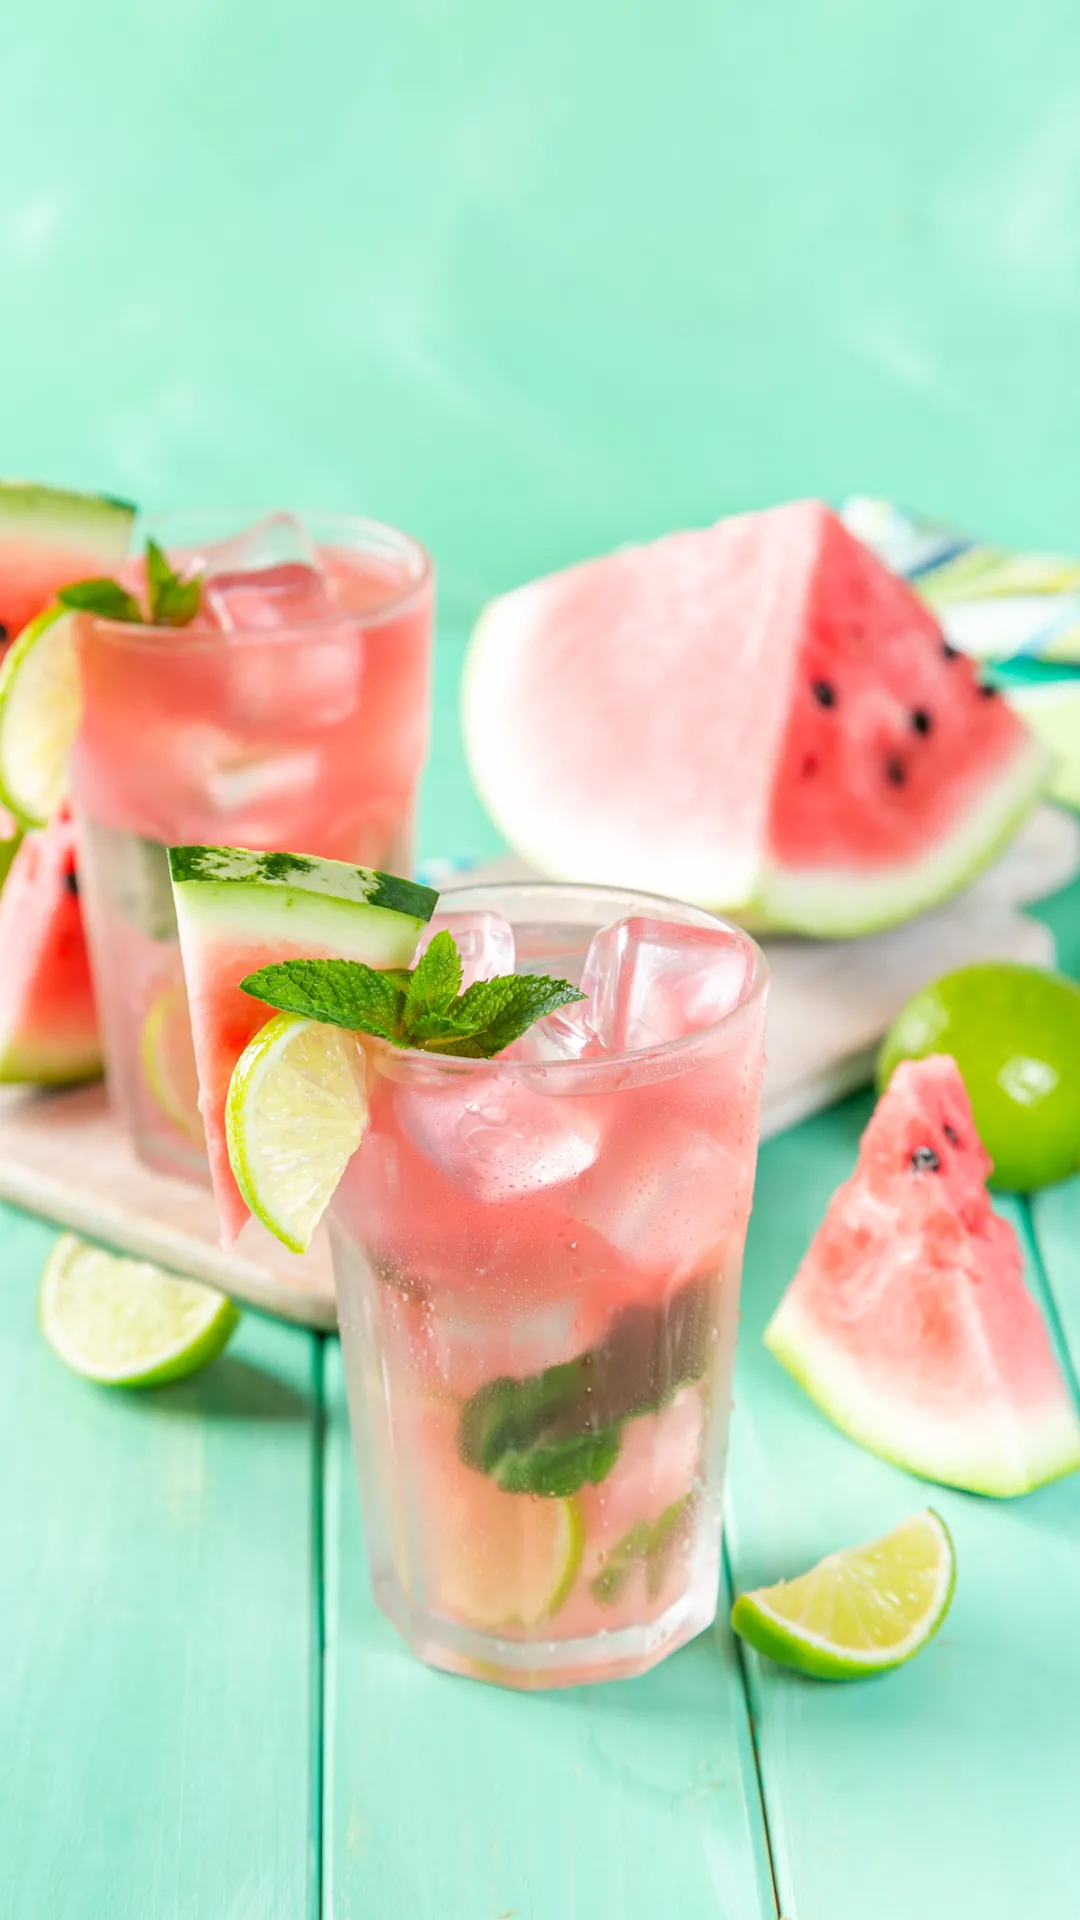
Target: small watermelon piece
pixel 48 538
pixel 238 911
pixel 909 1322
pixel 759 717
pixel 48 1021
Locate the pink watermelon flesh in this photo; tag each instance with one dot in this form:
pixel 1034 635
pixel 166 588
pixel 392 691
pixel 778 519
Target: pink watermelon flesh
pixel 909 1321
pixel 48 538
pixel 48 1022
pixel 759 717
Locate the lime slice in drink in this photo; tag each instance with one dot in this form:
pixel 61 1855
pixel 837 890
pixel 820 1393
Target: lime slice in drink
pixel 295 1115
pixel 1014 1033
pixel 860 1611
pixel 40 704
pixel 168 1061
pixel 490 1559
pixel 126 1323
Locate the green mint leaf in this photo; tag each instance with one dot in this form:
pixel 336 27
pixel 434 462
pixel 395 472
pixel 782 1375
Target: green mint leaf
pixel 173 601
pixel 497 1012
pixel 556 1431
pixel 435 982
pixel 107 598
pixel 344 993
pixel 649 1544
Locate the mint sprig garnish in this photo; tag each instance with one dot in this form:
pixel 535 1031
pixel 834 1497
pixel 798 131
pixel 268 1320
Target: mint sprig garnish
pixel 171 600
pixel 421 1006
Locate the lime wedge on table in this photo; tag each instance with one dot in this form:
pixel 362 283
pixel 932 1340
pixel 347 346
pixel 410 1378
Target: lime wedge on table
pixel 126 1323
pixel 40 703
pixel 1014 1033
pixel 860 1611
pixel 168 1061
pixel 295 1115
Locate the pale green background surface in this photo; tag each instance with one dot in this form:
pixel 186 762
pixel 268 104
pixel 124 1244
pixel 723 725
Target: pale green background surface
pixel 530 282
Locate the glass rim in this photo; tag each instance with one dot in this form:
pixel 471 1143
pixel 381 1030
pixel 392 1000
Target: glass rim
pixel 136 633
pixel 677 1053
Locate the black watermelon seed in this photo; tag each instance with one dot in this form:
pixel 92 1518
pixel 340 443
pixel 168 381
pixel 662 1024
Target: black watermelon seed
pixel 987 692
pixel 71 880
pixel 824 693
pixel 921 720
pixel 925 1160
pixel 3 633
pixel 951 1135
pixel 949 650
pixel 895 772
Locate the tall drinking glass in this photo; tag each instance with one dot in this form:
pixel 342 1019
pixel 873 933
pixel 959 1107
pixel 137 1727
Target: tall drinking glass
pixel 537 1262
pixel 293 712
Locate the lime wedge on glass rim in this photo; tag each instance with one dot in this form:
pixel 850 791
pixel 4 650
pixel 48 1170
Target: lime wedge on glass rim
pixel 295 1114
pixel 860 1611
pixel 40 705
pixel 128 1323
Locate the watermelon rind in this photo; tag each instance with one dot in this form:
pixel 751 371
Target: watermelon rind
pixel 36 512
pixel 843 905
pixel 292 896
pixel 1000 1456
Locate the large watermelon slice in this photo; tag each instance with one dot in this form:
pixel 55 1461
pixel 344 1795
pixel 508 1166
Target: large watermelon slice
pixel 909 1321
pixel 48 1023
pixel 238 911
pixel 759 717
pixel 48 538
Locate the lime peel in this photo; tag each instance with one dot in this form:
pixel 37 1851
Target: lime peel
pixel 127 1323
pixel 40 709
pixel 863 1610
pixel 295 1114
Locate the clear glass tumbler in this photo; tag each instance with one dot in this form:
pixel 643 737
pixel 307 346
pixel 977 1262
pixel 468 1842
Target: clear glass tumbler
pixel 293 712
pixel 537 1263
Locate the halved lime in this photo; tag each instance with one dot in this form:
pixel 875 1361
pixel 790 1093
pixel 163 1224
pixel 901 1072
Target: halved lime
pixel 295 1115
pixel 859 1611
pixel 40 707
pixel 1014 1033
pixel 168 1061
pixel 127 1323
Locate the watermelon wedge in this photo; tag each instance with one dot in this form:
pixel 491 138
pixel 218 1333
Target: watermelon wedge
pixel 238 911
pixel 48 1022
pixel 909 1322
pixel 47 539
pixel 759 717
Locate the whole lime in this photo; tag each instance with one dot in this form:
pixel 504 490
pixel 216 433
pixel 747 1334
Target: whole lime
pixel 1014 1032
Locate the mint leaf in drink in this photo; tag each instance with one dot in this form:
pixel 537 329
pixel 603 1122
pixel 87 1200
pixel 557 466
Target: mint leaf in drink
pixel 106 598
pixel 422 1006
pixel 173 601
pixel 344 993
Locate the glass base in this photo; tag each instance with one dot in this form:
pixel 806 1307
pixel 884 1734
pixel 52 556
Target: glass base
pixel 534 1665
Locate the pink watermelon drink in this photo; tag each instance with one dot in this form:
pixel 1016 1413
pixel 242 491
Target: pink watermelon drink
pixel 538 1260
pixel 291 711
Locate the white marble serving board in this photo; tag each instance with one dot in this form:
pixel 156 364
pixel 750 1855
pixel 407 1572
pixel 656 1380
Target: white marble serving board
pixel 64 1156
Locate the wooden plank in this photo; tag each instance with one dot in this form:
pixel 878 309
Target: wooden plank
pixel 447 1797
pixel 156 1592
pixel 945 1788
pixel 1055 1220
